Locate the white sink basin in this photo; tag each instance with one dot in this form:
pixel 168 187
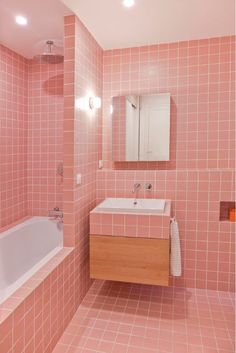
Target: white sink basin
pixel 132 205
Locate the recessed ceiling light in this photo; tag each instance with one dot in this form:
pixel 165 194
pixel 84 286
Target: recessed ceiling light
pixel 21 20
pixel 128 3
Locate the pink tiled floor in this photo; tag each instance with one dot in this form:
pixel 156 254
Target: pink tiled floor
pixel 126 318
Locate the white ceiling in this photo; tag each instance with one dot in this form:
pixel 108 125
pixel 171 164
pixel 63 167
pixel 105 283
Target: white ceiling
pixel 45 21
pixel 154 21
pixel 113 26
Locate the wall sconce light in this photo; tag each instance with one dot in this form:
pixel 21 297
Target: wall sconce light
pixel 86 103
pixel 95 102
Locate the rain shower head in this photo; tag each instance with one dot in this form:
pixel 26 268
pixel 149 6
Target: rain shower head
pixel 49 57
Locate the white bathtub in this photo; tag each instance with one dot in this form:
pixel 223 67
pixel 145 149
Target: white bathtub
pixel 24 249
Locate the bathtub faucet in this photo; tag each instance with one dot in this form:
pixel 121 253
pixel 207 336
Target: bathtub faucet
pixel 56 214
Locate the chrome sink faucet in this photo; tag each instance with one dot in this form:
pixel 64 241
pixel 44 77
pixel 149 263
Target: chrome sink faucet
pixel 136 187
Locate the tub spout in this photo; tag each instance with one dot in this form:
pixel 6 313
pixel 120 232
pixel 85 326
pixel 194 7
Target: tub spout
pixel 56 213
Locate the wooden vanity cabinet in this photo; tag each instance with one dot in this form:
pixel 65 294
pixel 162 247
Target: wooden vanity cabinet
pixel 129 259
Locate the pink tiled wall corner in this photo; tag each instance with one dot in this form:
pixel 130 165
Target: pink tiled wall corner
pixel 14 78
pixel 82 143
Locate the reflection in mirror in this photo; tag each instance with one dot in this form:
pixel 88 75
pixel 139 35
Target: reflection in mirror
pixel 141 127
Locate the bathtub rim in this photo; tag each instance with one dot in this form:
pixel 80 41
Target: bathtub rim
pixel 22 223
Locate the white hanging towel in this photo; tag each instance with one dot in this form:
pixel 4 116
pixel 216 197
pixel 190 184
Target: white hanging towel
pixel 175 253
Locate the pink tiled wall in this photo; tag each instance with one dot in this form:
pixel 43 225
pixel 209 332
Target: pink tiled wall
pixel 200 75
pixel 31 137
pixel 82 143
pixel 13 136
pixel 45 137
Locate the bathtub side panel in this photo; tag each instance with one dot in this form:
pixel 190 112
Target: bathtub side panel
pixel 36 324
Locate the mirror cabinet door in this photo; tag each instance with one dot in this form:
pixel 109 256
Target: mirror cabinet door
pixel 141 127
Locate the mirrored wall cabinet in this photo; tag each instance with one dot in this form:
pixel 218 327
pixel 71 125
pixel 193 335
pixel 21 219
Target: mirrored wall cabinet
pixel 141 127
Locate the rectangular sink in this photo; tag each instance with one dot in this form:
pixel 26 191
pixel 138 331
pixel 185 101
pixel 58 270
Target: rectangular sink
pixel 128 205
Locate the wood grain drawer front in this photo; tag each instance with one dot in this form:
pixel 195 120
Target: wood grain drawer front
pixel 136 260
